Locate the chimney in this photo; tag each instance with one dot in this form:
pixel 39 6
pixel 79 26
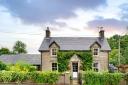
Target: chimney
pixel 101 33
pixel 48 33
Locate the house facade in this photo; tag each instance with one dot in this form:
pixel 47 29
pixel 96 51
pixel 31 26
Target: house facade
pixel 97 45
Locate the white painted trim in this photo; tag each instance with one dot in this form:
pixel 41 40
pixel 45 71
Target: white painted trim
pixel 75 74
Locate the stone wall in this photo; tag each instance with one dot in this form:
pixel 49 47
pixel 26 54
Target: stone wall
pixel 46 61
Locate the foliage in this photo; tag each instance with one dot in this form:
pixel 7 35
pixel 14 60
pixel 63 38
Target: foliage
pixel 12 76
pixel 4 51
pixel 113 57
pixel 64 57
pixel 21 66
pixel 19 47
pixel 2 66
pixel 45 77
pixel 124 58
pixel 37 77
pixel 104 78
pixel 113 42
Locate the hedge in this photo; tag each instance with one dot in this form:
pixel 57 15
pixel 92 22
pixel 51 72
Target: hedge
pixel 102 78
pixel 36 77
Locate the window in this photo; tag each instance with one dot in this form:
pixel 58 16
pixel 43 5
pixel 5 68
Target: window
pixel 54 51
pixel 54 66
pixel 95 51
pixel 95 67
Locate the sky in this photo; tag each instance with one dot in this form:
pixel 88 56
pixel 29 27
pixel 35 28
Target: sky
pixel 26 20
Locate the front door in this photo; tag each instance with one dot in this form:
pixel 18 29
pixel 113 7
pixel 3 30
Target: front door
pixel 75 69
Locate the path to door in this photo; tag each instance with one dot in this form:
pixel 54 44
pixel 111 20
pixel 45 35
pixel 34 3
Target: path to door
pixel 75 82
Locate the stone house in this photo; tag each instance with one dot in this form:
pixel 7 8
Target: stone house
pixel 97 45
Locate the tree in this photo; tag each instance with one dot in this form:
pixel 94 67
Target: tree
pixel 113 57
pixel 4 51
pixel 124 57
pixel 19 47
pixel 114 44
pixel 113 41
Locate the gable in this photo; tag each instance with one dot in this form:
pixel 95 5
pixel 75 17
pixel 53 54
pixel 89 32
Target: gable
pixel 95 45
pixel 54 44
pixel 75 58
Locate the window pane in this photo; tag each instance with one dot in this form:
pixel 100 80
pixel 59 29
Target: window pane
pixel 54 51
pixel 54 66
pixel 95 51
pixel 95 67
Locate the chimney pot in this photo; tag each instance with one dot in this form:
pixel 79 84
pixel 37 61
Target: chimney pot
pixel 48 33
pixel 101 33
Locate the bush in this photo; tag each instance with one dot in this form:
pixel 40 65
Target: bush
pixel 104 78
pixel 2 66
pixel 20 76
pixel 37 77
pixel 20 66
pixel 45 77
pixel 11 76
pixel 5 76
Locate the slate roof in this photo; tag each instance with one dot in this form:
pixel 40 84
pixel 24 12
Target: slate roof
pixel 74 43
pixel 34 59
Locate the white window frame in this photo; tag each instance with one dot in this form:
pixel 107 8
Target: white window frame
pixel 97 51
pixel 55 67
pixel 52 51
pixel 98 66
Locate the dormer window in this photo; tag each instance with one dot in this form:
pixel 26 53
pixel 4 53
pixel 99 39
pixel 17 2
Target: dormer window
pixel 95 51
pixel 53 51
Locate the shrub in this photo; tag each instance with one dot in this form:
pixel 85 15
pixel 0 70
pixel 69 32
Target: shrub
pixel 45 77
pixel 104 78
pixel 2 66
pixel 37 77
pixel 11 76
pixel 20 76
pixel 6 76
pixel 21 66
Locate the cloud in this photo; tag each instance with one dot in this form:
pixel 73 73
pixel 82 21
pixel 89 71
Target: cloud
pixel 124 11
pixel 41 11
pixel 111 26
pixel 108 23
